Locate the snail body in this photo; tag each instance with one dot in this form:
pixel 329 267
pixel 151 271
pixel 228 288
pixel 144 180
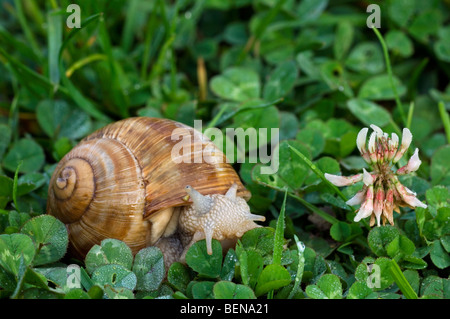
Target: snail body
pixel 123 182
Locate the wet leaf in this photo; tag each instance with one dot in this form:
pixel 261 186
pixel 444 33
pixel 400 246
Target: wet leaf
pixel 271 278
pixel 50 236
pixel 440 170
pixel 28 151
pixel 114 276
pixel 328 287
pixel 379 88
pixel 280 81
pixel 236 84
pixel 380 237
pixel 149 268
pixel 13 248
pixel 368 112
pixel 230 290
pixel 110 251
pixel 206 265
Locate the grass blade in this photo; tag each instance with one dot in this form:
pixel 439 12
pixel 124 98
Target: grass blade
pixel 86 281
pixel 37 83
pixel 158 67
pixel 75 31
pixel 12 44
pixel 82 62
pixel 389 71
pixel 319 173
pixel 84 103
pixel 279 234
pixel 34 12
pixel 132 15
pixel 54 38
pixel 13 121
pixel 262 26
pixel 149 35
pixel 15 184
pixel 26 29
pixel 117 75
pixel 314 209
pixel 308 205
pixel 170 29
pixel 412 83
pixel 300 267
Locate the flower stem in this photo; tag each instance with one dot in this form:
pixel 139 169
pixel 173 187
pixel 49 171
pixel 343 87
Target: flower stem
pixel 314 209
pixel 319 173
pixel 445 120
pixel 389 71
pixel 410 115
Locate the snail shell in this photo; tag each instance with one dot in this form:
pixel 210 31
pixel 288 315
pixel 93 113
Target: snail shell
pixel 121 182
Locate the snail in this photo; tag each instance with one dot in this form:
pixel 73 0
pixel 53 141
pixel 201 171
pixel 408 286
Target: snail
pixel 128 181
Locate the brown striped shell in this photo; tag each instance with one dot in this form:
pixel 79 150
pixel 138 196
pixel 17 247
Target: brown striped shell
pixel 121 182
